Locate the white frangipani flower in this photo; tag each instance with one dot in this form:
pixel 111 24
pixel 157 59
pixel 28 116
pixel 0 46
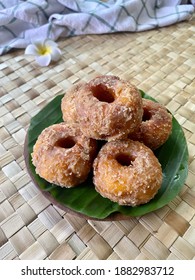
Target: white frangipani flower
pixel 44 51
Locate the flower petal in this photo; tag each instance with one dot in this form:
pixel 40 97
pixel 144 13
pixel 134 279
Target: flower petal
pixel 55 54
pixel 50 43
pixel 31 49
pixel 43 60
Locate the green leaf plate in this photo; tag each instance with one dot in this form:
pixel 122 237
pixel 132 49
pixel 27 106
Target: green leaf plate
pixel 84 200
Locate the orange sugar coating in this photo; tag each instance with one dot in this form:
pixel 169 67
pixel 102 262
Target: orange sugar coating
pixel 156 125
pixel 63 156
pixel 127 172
pixel 108 108
pixel 68 108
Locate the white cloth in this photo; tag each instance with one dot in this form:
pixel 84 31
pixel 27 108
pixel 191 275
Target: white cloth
pixel 22 22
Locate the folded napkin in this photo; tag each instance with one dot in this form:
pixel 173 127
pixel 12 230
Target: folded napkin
pixel 22 22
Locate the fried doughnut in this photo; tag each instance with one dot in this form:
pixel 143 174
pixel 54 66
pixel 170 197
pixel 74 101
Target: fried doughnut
pixel 156 125
pixel 68 108
pixel 108 108
pixel 127 172
pixel 62 155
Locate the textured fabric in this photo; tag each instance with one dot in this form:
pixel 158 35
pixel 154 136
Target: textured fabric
pixel 22 22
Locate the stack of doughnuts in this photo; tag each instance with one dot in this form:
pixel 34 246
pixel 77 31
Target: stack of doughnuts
pixel 110 111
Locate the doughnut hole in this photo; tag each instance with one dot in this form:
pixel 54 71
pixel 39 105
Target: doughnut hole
pixel 103 94
pixel 146 116
pixel 124 159
pixel 66 143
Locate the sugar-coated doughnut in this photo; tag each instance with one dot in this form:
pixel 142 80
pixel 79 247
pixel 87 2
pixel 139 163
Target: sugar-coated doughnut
pixel 127 172
pixel 68 108
pixel 155 127
pixel 62 155
pixel 108 108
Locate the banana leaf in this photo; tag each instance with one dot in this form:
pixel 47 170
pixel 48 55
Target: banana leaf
pixel 83 199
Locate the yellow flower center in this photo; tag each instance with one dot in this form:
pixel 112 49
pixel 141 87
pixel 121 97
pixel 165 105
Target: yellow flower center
pixel 44 50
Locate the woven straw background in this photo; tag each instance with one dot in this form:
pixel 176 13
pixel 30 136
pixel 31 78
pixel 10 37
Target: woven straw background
pixel 160 62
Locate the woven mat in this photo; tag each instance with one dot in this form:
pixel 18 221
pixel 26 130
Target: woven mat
pixel 160 62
